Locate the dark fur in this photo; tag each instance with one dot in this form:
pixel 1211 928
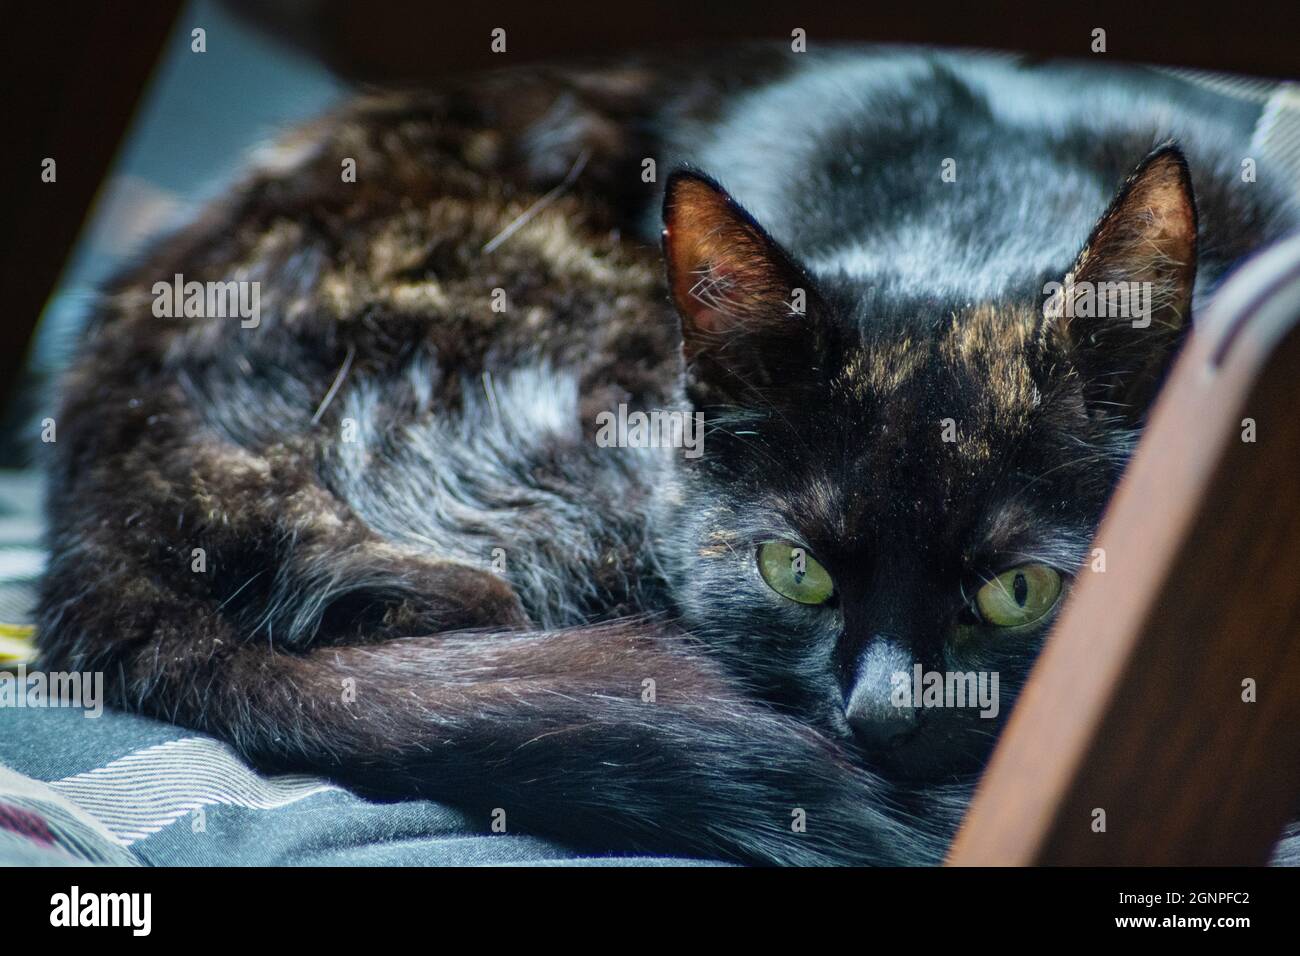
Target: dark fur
pixel 331 562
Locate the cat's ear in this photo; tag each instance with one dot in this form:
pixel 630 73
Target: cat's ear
pixel 744 304
pixel 1123 308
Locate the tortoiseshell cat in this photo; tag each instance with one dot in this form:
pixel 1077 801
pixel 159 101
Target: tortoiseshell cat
pixel 374 535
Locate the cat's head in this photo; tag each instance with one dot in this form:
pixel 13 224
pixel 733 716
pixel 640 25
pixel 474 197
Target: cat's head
pixel 892 480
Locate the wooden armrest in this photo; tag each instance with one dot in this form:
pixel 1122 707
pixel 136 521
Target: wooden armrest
pixel 1141 705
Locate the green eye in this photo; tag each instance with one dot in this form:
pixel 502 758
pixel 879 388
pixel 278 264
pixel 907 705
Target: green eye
pixel 1019 596
pixel 792 573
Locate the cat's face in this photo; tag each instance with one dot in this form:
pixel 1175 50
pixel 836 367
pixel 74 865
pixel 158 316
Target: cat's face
pixel 891 483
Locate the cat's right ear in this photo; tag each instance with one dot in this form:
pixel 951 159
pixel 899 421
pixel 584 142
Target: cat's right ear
pixel 744 304
pixel 1124 308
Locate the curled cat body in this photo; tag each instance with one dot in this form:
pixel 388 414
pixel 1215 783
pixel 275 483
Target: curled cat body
pixel 381 531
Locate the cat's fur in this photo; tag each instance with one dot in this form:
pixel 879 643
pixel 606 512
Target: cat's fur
pixel 350 467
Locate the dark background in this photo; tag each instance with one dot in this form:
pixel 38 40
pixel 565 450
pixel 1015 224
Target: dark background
pixel 75 72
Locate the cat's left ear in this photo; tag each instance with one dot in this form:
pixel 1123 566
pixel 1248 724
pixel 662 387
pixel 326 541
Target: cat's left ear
pixel 1125 305
pixel 746 307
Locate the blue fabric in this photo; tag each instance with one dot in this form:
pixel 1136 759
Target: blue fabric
pixel 120 771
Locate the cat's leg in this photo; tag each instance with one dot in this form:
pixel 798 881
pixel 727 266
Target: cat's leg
pixel 343 584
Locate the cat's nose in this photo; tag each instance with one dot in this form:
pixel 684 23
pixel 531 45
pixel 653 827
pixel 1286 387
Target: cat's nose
pixel 873 710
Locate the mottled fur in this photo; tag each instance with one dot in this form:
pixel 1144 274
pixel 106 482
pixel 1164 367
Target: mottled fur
pixel 350 467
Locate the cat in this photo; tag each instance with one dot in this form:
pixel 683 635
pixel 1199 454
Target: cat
pixel 377 534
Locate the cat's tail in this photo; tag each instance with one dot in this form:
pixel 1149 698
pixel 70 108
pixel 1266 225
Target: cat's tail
pixel 614 737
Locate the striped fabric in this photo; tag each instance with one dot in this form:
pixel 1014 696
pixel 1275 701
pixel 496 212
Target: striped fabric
pixel 139 794
pixel 1278 132
pixel 39 826
pixel 21 560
